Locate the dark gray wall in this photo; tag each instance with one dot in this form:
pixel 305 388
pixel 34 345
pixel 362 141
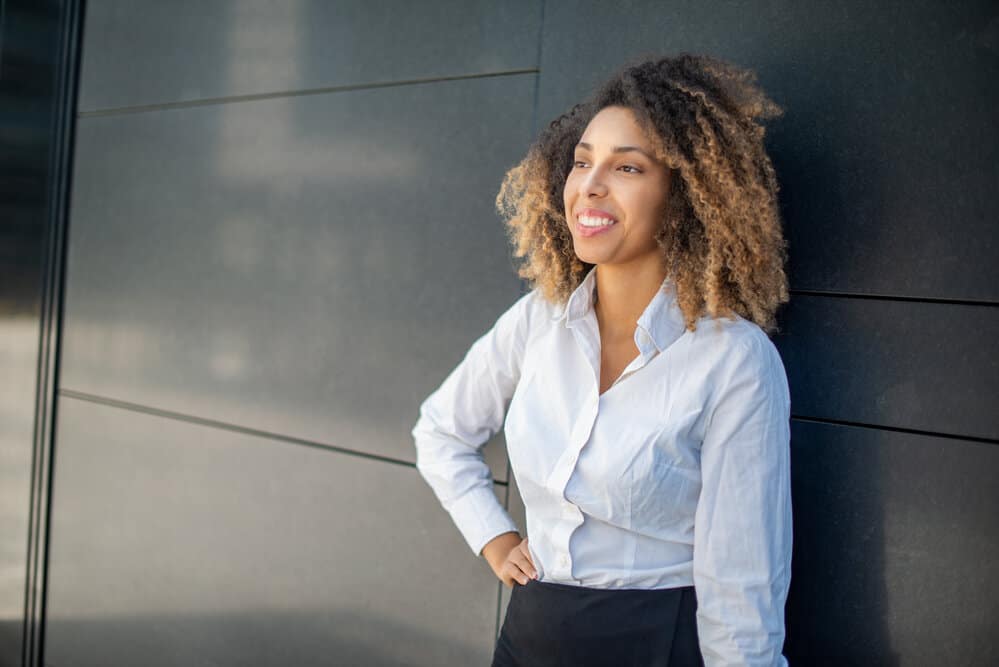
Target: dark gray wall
pixel 282 238
pixel 888 157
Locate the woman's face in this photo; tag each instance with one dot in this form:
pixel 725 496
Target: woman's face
pixel 616 194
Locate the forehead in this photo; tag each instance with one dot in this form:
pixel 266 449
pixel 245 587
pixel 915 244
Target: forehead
pixel 615 126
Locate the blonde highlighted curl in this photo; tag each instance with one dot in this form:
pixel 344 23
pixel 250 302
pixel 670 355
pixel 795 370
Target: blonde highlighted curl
pixel 721 237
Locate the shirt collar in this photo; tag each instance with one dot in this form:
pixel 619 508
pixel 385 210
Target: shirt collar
pixel 660 324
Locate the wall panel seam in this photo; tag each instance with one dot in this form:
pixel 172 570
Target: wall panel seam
pixel 235 99
pixel 895 429
pixel 893 297
pixel 234 428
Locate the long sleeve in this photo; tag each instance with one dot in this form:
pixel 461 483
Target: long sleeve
pixel 742 525
pixel 459 417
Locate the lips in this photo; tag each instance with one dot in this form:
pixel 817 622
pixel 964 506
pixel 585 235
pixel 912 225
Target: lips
pixel 593 221
pixel 595 213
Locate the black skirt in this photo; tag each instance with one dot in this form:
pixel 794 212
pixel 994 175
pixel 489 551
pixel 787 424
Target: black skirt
pixel 555 624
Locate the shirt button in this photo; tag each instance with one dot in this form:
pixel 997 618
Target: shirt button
pixel 563 560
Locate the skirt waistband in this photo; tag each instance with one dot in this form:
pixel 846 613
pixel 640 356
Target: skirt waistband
pixel 573 588
pixel 550 623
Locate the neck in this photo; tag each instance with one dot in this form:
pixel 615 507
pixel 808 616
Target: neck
pixel 623 294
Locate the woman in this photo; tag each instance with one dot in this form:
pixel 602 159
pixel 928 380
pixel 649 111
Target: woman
pixel 646 410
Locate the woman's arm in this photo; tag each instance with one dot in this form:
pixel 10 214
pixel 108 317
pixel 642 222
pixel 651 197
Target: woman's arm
pixel 742 526
pixel 459 418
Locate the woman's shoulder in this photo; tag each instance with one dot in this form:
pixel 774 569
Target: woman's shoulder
pixel 736 352
pixel 732 339
pixel 529 309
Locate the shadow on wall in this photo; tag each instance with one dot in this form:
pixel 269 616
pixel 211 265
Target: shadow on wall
pixel 264 638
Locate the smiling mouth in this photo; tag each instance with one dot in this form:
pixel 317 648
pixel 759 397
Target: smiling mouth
pixel 592 225
pixel 594 221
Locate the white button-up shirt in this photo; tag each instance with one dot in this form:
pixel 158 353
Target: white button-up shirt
pixel 678 474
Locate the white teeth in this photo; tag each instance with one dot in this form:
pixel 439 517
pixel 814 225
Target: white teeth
pixel 587 221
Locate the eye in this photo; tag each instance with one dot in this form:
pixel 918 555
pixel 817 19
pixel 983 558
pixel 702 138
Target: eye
pixel 634 169
pixel 578 164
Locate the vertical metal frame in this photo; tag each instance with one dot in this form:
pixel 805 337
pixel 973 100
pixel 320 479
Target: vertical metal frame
pixel 67 65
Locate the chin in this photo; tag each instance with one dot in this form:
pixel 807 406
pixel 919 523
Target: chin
pixel 589 259
pixel 585 257
pixel 586 252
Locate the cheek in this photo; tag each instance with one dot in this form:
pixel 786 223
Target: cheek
pixel 568 189
pixel 647 211
pixel 654 204
pixel 567 202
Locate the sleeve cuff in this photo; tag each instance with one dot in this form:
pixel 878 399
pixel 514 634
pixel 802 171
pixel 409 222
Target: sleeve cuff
pixel 480 517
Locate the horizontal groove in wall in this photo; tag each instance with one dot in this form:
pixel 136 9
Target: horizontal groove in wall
pixel 209 101
pixel 235 428
pixel 895 429
pixel 892 297
pixel 212 423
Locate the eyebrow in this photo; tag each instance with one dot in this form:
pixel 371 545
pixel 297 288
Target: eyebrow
pixel 619 149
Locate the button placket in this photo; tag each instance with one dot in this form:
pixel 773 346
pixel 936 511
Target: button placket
pixel 566 464
pixel 570 516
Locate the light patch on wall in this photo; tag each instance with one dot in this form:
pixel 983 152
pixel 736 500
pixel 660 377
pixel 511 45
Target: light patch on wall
pixel 264 43
pixel 18 359
pixel 229 355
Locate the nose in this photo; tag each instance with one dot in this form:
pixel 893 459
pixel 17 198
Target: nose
pixel 594 183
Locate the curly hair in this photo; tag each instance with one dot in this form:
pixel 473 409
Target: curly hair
pixel 721 236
